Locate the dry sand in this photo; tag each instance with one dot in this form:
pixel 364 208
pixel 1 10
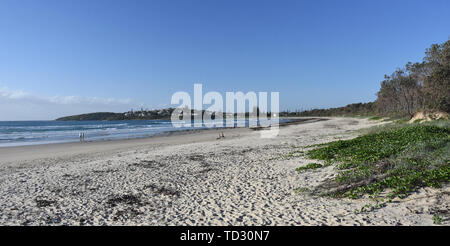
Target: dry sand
pixel 191 178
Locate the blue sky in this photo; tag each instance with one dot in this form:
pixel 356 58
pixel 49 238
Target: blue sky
pixel 64 57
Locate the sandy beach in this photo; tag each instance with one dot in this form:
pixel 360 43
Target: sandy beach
pixel 192 178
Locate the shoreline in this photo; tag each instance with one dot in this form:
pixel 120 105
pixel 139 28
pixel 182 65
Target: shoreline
pixel 23 153
pixel 292 120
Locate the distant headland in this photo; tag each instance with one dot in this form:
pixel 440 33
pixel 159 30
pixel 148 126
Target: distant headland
pixel 157 114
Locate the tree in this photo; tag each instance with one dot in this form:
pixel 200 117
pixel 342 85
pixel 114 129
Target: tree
pixel 400 93
pixel 437 83
pixel 418 86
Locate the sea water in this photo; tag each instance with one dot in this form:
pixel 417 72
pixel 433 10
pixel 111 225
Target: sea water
pixel 18 133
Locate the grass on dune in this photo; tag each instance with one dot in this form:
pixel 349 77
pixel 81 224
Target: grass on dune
pixel 397 158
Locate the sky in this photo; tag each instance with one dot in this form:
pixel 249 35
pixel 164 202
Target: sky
pixel 68 57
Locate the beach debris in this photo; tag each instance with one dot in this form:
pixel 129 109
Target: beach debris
pixel 162 190
pixel 127 214
pixel 125 199
pixel 41 203
pixel 196 157
pixel 149 164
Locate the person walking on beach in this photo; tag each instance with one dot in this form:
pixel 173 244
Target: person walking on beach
pixel 81 137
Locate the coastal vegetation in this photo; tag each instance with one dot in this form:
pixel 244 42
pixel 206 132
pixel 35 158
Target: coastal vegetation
pixel 393 160
pixel 388 162
pixel 397 158
pixel 418 86
pixel 310 166
pixel 421 86
pixel 355 109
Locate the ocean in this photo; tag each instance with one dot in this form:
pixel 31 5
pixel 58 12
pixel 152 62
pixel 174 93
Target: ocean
pixel 19 133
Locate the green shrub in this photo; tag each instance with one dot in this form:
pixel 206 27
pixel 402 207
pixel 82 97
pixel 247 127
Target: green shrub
pixel 310 166
pixel 400 159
